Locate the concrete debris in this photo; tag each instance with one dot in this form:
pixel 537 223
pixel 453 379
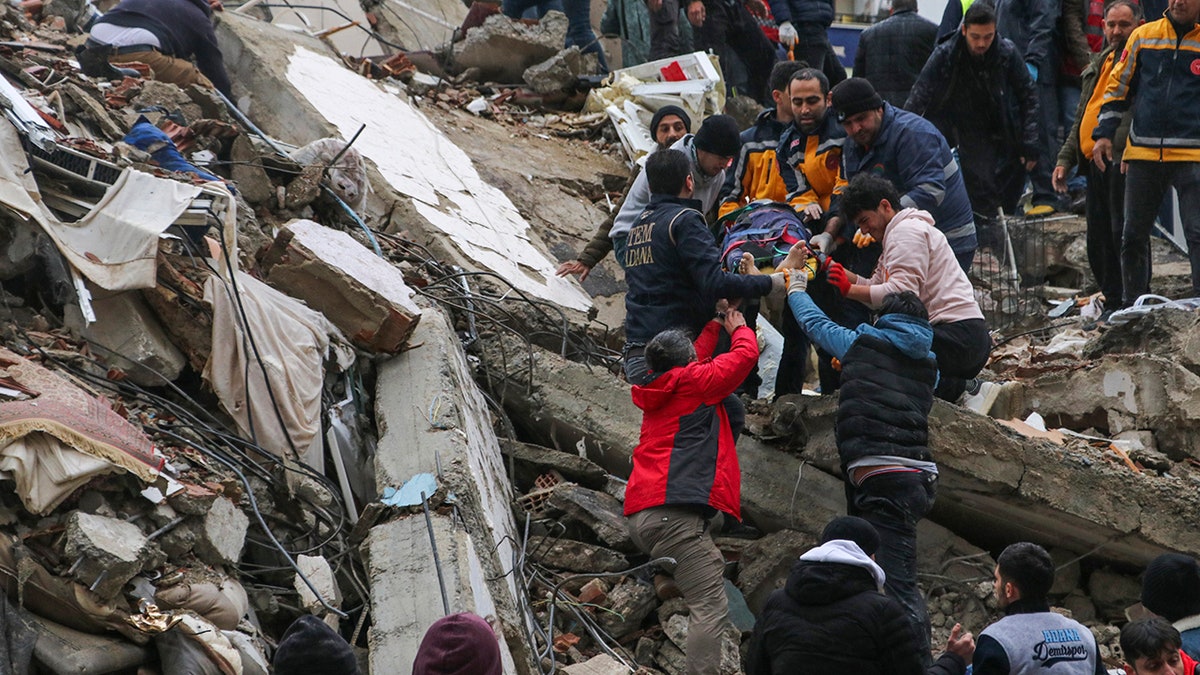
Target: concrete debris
pixel 629 604
pixel 332 273
pixel 560 72
pixel 575 556
pixel 597 511
pixel 109 552
pixel 767 562
pixel 320 574
pixel 223 534
pixel 131 337
pixel 503 48
pixel 1111 593
pixel 533 460
pixel 602 664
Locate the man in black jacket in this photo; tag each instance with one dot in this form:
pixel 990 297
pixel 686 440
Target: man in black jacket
pixel 977 91
pixel 163 34
pixel 672 265
pixel 892 52
pixel 831 616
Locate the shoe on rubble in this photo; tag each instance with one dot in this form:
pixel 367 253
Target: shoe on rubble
pixel 1040 211
pixel 979 396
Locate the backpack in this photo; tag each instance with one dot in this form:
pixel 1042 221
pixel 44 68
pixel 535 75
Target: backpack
pixel 765 229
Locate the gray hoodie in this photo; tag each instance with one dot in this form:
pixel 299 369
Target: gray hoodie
pixel 706 190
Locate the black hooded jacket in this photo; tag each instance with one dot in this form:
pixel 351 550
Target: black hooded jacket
pixel 992 95
pixel 829 618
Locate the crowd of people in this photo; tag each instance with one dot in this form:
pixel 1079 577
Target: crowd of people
pixel 892 180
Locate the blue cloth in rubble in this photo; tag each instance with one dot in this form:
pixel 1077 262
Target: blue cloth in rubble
pixel 145 135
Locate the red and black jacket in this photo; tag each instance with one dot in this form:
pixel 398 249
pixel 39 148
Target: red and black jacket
pixel 686 455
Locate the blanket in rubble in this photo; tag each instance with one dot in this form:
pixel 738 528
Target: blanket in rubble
pixel 51 406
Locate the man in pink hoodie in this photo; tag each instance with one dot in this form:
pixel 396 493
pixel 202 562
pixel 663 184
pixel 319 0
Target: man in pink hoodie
pixel 916 257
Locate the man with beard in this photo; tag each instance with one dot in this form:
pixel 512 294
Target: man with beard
pixel 810 161
pixel 976 90
pixel 1105 185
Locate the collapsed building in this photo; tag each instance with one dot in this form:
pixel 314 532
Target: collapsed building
pixel 308 355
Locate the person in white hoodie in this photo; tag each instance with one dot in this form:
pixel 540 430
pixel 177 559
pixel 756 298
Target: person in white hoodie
pixel 916 257
pixel 832 616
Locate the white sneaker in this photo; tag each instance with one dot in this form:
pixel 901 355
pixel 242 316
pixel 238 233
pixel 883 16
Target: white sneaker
pixel 982 399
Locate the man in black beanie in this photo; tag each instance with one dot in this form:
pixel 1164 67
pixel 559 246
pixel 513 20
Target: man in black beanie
pixel 910 152
pixel 667 126
pixel 311 647
pixel 1171 589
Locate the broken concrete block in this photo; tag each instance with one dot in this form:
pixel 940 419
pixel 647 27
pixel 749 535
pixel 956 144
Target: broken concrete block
pixel 362 294
pixel 1080 606
pixel 220 540
pixel 539 459
pixel 1112 593
pixel 252 180
pixel 559 72
pixel 1066 571
pixel 110 551
pixel 602 664
pixel 594 592
pixel 597 511
pixel 767 562
pixel 131 336
pixel 629 604
pixel 575 556
pixel 671 658
pixel 316 568
pixel 503 48
pixel 676 630
pixel 670 608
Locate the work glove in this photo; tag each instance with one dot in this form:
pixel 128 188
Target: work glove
pixel 822 242
pixel 797 281
pixel 787 34
pixel 862 239
pixel 836 275
pixel 1033 71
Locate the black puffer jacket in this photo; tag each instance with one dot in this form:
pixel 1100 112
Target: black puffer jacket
pixel 884 402
pixel 892 52
pixel 992 95
pixel 830 618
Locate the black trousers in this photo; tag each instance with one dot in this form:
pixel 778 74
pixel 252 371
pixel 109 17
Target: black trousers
pixel 814 47
pixel 994 178
pixel 962 349
pixel 1105 221
pixel 727 27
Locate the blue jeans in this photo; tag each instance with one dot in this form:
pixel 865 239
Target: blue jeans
pixel 579 22
pixel 894 503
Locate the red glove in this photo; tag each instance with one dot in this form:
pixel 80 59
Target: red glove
pixel 836 275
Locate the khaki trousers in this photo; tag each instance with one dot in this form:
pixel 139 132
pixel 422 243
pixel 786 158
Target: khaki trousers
pixel 179 72
pixel 680 533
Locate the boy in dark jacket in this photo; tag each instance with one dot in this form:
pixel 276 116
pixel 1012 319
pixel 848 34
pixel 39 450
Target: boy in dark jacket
pixel 888 377
pixel 685 470
pixel 831 616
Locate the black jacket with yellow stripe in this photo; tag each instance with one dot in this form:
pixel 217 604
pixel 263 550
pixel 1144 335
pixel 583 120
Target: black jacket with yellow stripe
pixel 1158 76
pixel 755 175
pixel 811 164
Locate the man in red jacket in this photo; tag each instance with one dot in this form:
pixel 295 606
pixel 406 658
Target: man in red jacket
pixel 685 469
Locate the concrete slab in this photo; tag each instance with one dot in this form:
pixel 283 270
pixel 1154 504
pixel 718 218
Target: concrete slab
pixel 131 335
pixel 362 294
pixel 432 418
pixel 405 594
pixel 438 188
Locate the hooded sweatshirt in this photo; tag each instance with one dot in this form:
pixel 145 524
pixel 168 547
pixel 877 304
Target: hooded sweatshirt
pixel 831 618
pixel 705 190
pixel 916 257
pixel 686 454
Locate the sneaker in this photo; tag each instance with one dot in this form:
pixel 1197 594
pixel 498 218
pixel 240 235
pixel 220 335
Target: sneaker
pixel 1040 211
pixel 981 399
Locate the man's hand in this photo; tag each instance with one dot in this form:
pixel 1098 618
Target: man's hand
pixel 733 321
pixel 216 6
pixel 1102 153
pixel 574 267
pixel 654 5
pixel 962 644
pixel 836 275
pixel 1029 163
pixel 787 34
pixel 822 242
pixel 1059 179
pixel 696 13
pixel 756 7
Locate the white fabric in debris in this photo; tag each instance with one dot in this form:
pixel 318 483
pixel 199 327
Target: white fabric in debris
pixel 47 470
pixel 115 244
pixel 292 341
